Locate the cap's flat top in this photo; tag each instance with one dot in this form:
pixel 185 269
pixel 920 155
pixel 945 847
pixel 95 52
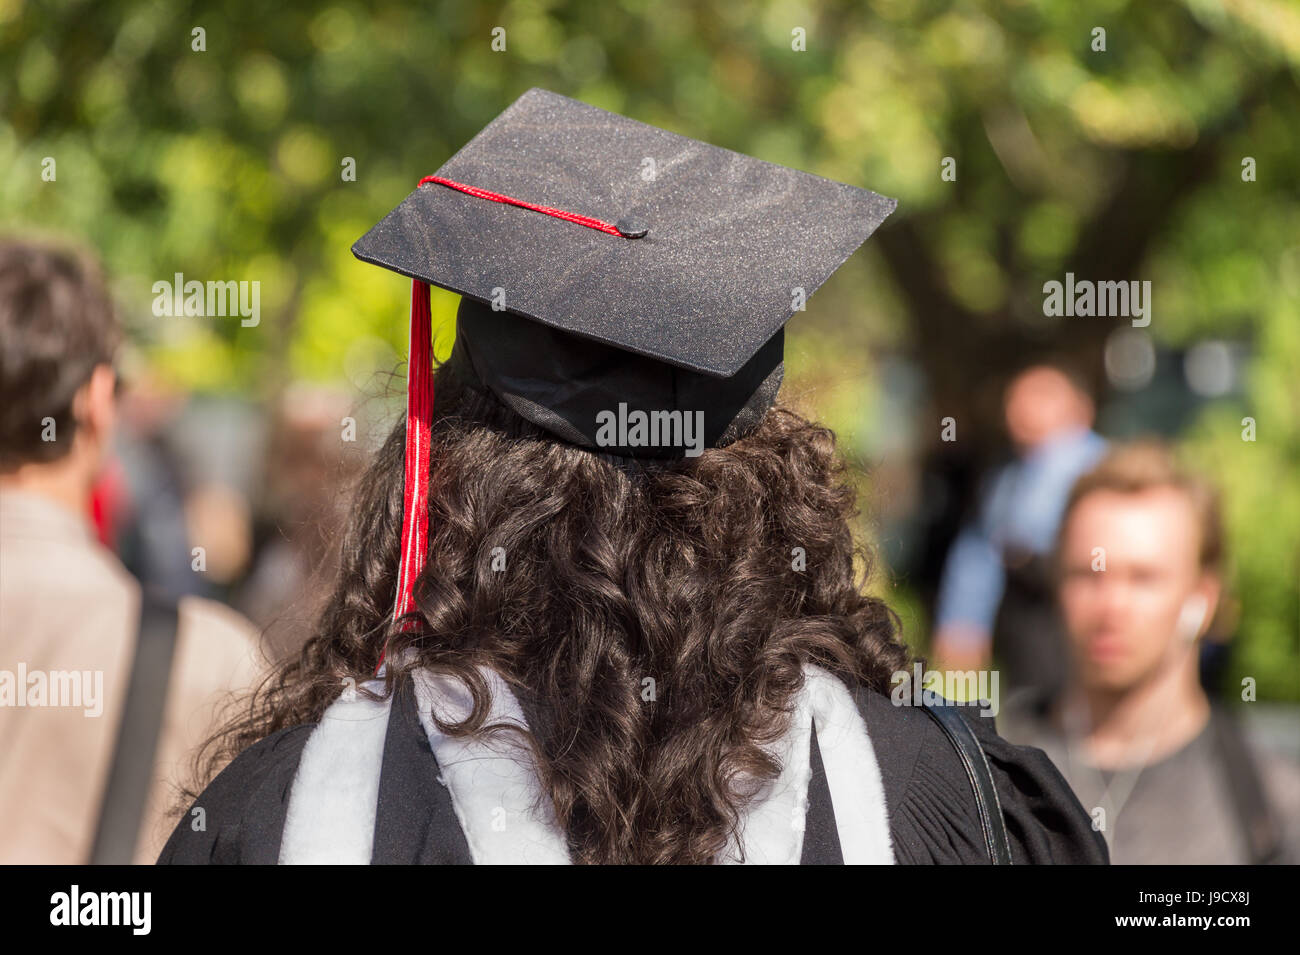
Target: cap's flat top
pixel 730 237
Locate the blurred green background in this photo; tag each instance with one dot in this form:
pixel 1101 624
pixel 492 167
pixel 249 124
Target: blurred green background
pixel 227 163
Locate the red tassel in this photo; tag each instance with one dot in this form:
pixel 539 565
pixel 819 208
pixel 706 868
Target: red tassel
pixel 419 408
pixel 415 494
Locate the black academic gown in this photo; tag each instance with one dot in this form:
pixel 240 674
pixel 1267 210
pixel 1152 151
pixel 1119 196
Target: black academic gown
pixel 931 810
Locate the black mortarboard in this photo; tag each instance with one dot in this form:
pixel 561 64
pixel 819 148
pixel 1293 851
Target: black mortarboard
pixel 610 268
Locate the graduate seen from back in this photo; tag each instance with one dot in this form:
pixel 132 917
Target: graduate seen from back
pixel 558 640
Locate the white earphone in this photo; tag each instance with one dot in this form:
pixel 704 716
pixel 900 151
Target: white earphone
pixel 1192 617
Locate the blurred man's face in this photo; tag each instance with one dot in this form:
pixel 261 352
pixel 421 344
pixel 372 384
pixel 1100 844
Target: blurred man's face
pixel 1041 403
pixel 1123 622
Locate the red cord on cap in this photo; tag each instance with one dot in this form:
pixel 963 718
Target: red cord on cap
pixel 588 221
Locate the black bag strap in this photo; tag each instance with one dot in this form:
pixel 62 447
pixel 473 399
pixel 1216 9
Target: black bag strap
pixel 980 774
pixel 1258 824
pixel 123 805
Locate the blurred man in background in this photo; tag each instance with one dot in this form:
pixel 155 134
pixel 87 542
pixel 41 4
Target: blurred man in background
pixel 995 597
pixel 1167 776
pixel 105 692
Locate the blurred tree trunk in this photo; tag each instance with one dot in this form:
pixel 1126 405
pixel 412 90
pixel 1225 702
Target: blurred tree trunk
pixel 968 356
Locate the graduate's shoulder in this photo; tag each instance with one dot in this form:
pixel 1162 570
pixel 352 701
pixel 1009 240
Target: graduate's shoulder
pixel 239 817
pixel 933 814
pixel 1045 820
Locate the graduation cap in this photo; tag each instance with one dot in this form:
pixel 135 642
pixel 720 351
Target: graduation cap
pixel 623 287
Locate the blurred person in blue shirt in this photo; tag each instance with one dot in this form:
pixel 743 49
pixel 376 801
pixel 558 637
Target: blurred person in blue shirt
pixel 995 597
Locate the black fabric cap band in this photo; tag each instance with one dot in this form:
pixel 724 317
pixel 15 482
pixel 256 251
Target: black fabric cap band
pixel 594 395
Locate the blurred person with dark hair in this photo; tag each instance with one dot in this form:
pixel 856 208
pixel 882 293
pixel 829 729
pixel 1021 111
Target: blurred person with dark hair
pixel 1167 776
pixel 300 504
pixel 105 691
pixel 995 601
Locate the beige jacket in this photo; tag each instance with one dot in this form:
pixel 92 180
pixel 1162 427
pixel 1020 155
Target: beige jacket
pixel 68 604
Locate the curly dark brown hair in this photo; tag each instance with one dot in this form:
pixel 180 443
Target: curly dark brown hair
pixel 616 572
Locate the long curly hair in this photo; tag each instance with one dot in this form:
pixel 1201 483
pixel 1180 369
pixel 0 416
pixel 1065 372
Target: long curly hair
pixel 716 577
